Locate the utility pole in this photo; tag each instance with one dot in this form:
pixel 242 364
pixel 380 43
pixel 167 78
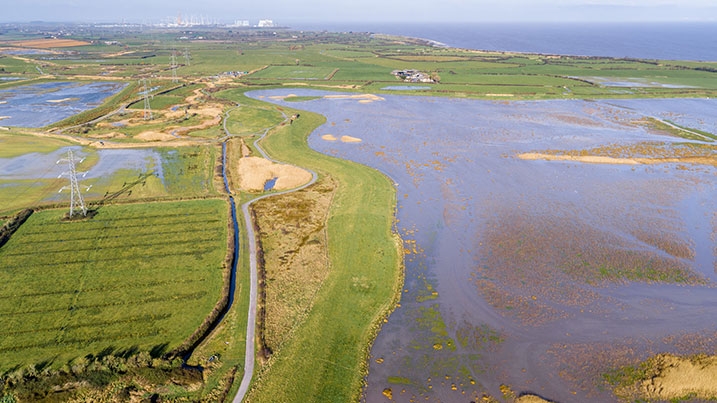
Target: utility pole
pixel 76 201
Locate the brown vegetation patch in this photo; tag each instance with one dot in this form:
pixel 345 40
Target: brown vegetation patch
pixel 582 364
pixel 49 43
pixel 665 242
pixel 535 267
pixel 293 235
pixel 640 153
pixel 577 120
pixel 254 172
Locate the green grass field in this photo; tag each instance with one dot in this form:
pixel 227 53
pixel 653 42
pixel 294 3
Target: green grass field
pixel 15 144
pixel 250 117
pixel 135 276
pixel 295 73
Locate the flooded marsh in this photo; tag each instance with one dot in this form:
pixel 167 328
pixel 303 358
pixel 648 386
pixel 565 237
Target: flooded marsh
pixel 38 105
pixel 541 275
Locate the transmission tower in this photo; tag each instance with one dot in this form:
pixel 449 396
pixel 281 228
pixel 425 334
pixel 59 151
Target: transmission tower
pixel 186 57
pixel 76 201
pixel 174 67
pixel 147 107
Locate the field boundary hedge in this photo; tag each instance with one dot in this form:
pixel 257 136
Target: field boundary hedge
pixel 13 224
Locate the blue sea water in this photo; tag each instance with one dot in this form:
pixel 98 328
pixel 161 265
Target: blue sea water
pixel 665 41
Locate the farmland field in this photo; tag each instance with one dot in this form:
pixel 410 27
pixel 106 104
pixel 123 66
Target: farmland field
pixel 135 276
pixel 295 73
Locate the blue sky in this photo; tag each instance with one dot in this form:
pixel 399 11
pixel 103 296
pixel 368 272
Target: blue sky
pixel 292 11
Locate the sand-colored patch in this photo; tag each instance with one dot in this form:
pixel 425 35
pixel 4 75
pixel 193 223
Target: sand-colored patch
pixel 366 98
pixel 110 135
pixel 678 377
pixel 531 399
pixel 591 159
pixel 499 95
pixel 49 43
pixel 329 137
pixel 154 136
pixel 595 159
pixel 282 97
pixel 57 101
pixel 349 139
pixel 254 172
pixel 5 117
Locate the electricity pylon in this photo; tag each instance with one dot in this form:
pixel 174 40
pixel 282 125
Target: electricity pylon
pixel 186 57
pixel 76 201
pixel 147 107
pixel 174 67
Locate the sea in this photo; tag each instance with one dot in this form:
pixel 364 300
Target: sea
pixel 662 41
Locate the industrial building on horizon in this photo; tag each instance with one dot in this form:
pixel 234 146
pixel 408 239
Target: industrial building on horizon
pixel 201 20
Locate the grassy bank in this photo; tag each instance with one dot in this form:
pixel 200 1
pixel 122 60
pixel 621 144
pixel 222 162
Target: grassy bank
pixel 325 360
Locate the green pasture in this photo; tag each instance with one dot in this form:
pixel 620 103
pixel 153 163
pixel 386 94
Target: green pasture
pixel 140 276
pixel 15 144
pixel 298 72
pixel 250 117
pixel 9 64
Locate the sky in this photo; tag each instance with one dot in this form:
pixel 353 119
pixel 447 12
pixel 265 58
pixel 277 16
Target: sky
pixel 286 12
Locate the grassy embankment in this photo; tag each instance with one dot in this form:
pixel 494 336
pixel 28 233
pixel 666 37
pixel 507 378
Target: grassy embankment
pixel 325 357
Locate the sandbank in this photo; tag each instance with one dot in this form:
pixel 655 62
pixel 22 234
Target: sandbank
pixel 254 172
pixel 349 139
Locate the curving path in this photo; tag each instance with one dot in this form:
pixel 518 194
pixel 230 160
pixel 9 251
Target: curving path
pixel 249 357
